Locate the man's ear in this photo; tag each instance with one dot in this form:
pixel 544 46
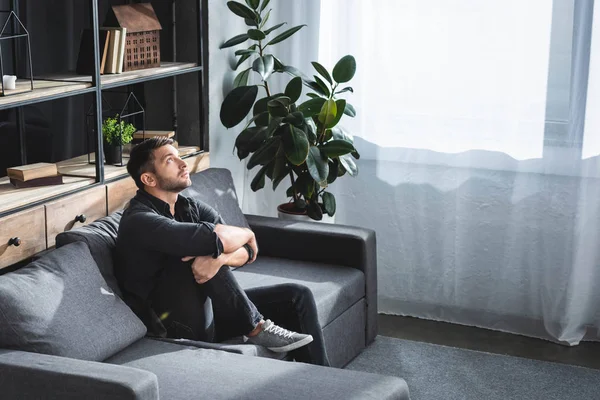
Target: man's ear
pixel 148 179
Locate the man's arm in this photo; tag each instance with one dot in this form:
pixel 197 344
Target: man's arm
pixel 205 268
pixel 155 232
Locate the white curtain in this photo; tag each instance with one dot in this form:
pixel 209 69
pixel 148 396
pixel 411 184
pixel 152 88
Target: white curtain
pixel 479 131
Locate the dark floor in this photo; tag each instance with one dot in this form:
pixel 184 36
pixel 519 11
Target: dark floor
pixel 586 354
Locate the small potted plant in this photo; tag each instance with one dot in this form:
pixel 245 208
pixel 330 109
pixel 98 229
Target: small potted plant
pixel 302 142
pixel 115 134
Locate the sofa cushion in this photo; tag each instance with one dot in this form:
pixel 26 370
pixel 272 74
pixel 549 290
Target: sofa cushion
pixel 214 186
pixel 335 288
pixel 189 373
pixel 61 305
pixel 101 238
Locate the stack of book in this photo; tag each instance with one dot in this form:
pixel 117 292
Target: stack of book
pixel 34 175
pixel 111 51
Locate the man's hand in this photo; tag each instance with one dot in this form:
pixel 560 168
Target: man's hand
pixel 204 267
pixel 254 245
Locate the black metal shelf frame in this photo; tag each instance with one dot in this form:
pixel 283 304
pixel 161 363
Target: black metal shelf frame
pixel 97 87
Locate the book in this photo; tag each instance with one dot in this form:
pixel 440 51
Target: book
pixel 106 43
pixel 120 58
pixel 110 66
pixel 45 181
pixel 32 171
pixel 85 58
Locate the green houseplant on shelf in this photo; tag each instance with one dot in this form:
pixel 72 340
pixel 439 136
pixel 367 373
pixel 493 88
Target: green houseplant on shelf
pixel 115 134
pixel 302 142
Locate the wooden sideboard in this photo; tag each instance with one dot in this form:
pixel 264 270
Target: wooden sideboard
pixel 28 232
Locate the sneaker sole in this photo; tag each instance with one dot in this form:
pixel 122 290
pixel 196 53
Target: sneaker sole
pixel 292 346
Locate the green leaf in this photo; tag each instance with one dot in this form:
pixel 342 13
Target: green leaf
pixel 235 41
pixel 264 5
pixel 280 169
pixel 250 22
pixel 328 112
pixel 245 51
pixel 311 107
pixel 281 37
pixel 318 166
pixel 290 191
pixel 309 129
pixel 252 138
pixel 242 78
pixel 342 134
pixel 295 118
pixel 333 170
pixel 295 145
pixel 329 203
pixel 256 34
pixel 322 85
pixel 241 10
pixel 355 154
pixel 278 107
pixel 336 148
pixel 271 29
pixel 259 179
pixel 300 203
pixel 317 88
pixel 241 60
pixel 264 66
pixel 237 104
pixel 253 3
pixel 349 110
pixel 345 69
pixel 322 71
pixel 265 19
pixel 341 106
pixel 313 95
pixel 346 89
pixel 274 123
pixel 265 154
pixel 261 107
pixel 305 185
pixel 293 90
pixel 314 211
pixel 349 164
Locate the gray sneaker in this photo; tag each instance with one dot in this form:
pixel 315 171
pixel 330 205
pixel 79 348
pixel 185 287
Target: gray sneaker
pixel 278 339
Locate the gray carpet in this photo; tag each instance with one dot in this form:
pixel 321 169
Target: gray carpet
pixel 436 372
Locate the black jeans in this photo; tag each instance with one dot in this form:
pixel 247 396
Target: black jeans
pixel 220 309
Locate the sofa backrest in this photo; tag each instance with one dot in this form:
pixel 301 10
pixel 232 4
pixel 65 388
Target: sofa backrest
pixel 101 238
pixel 214 186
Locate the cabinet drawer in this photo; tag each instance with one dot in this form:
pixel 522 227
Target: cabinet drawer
pixel 74 211
pixel 27 230
pixel 119 193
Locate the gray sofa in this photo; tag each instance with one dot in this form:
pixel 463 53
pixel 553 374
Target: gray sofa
pixel 66 305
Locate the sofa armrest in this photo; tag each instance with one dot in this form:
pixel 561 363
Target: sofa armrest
pixel 26 375
pixel 332 244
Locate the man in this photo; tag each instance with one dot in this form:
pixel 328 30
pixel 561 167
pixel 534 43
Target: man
pixel 173 259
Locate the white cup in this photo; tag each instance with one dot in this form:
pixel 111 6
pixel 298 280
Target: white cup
pixel 9 82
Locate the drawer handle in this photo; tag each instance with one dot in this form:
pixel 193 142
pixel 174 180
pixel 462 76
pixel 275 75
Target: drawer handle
pixel 15 241
pixel 81 218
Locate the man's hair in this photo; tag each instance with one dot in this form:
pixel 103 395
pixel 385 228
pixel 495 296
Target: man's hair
pixel 141 159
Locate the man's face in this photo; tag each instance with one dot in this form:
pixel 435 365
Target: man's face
pixel 171 173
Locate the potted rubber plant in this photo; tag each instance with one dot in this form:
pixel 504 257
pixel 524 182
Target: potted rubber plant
pixel 302 142
pixel 115 134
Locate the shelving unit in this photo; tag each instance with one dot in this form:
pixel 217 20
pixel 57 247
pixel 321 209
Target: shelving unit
pixel 78 173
